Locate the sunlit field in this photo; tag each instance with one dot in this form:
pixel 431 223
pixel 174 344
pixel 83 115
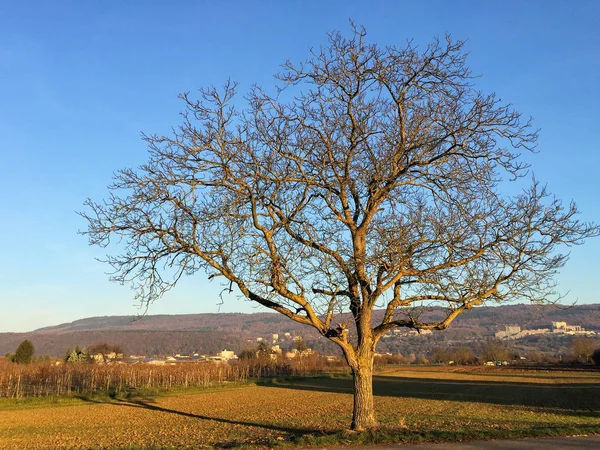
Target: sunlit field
pixel 413 405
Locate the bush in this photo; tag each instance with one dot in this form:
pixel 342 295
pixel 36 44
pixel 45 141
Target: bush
pixel 381 360
pixel 247 354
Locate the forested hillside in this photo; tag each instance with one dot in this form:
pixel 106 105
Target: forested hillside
pixel 210 333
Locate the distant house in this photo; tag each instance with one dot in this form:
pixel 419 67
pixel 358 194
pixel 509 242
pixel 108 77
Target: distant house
pixel 510 332
pixel 156 362
pixel 227 355
pixel 534 332
pixel 295 353
pixel 107 357
pixel 562 327
pixel 515 332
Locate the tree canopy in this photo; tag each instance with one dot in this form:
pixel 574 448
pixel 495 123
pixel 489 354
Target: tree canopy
pixel 372 177
pixel 24 352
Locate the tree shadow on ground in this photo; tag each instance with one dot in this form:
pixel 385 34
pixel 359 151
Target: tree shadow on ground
pixel 568 399
pixel 548 398
pixel 150 404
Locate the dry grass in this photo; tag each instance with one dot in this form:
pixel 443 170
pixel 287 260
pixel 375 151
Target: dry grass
pixel 412 406
pixel 517 374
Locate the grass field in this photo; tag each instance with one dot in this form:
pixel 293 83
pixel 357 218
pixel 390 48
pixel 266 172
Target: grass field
pixel 428 404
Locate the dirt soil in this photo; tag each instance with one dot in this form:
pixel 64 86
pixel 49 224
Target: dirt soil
pixel 253 415
pixel 410 406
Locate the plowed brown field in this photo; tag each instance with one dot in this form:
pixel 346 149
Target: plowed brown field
pixel 252 415
pixel 417 408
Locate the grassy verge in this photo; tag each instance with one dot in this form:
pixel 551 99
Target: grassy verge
pixel 103 396
pixel 394 436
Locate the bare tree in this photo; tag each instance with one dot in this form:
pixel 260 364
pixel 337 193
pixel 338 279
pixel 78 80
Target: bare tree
pixel 104 352
pixel 373 178
pixel 583 349
pixel 495 351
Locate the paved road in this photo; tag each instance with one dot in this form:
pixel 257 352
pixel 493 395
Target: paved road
pixel 552 443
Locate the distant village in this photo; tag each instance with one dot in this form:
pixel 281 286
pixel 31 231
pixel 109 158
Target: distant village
pixel 515 332
pixel 406 332
pixel 270 347
pixel 289 346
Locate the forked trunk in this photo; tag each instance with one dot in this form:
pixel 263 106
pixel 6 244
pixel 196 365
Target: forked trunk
pixel 363 415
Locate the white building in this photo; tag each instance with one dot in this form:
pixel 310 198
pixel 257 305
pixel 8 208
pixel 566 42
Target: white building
pixel 227 354
pixel 510 332
pixel 562 327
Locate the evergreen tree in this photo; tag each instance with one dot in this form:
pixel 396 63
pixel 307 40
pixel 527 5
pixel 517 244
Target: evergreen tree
pixel 24 352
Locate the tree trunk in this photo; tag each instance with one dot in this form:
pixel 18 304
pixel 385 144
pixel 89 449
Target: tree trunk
pixel 363 415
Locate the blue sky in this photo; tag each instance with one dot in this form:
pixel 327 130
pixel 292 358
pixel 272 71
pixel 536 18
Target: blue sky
pixel 79 81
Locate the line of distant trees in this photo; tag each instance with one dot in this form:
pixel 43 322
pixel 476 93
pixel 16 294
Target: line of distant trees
pixel 103 352
pixel 582 350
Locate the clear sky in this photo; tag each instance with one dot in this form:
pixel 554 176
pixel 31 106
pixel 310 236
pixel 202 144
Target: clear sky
pixel 79 81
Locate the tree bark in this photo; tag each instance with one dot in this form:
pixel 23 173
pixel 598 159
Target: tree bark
pixel 363 414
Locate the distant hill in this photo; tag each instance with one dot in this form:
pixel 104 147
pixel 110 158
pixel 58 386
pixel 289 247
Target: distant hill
pixel 209 333
pixel 260 322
